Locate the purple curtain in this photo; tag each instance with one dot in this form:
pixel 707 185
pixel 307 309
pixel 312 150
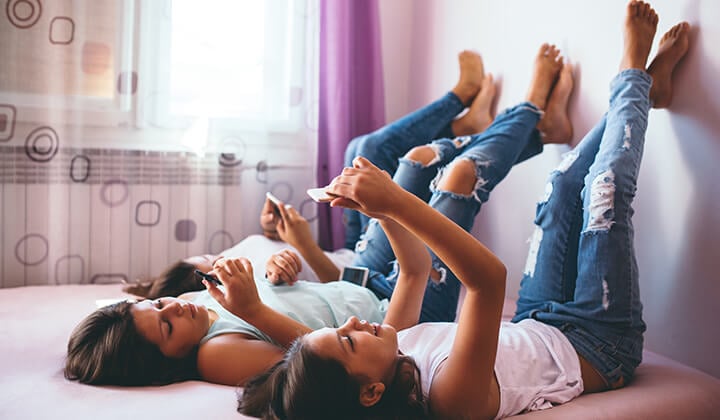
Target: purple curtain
pixel 351 93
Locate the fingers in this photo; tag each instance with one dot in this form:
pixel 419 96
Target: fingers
pixel 247 266
pixel 213 290
pixel 227 268
pixel 283 267
pixel 288 213
pixel 344 202
pixel 287 265
pixel 361 162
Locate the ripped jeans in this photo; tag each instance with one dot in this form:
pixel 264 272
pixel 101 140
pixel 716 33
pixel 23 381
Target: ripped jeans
pixel 511 138
pixel 385 146
pixel 581 274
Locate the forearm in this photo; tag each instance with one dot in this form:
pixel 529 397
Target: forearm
pixel 323 266
pixel 473 263
pixel 415 264
pixel 281 328
pixel 410 252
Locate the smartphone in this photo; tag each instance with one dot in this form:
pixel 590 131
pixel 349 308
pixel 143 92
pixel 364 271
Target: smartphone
pixel 208 277
pixel 321 195
pixel 357 275
pixel 275 201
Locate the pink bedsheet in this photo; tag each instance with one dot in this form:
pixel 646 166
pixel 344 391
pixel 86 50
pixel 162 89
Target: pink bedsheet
pixel 35 323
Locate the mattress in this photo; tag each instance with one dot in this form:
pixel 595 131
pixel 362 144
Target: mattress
pixel 35 323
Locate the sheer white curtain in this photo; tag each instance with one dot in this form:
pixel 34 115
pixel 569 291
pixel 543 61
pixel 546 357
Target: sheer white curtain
pixel 138 132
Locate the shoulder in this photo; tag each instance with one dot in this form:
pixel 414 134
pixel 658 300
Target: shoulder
pixel 232 359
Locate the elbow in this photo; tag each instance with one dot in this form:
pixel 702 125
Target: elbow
pixel 499 275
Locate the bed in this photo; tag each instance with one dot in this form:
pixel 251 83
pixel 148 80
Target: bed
pixel 35 323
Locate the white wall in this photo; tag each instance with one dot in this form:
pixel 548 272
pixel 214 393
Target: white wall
pixel 677 207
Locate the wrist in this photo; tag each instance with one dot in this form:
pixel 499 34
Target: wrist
pixel 252 311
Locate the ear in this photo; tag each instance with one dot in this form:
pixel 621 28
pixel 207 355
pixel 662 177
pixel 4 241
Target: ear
pixel 371 393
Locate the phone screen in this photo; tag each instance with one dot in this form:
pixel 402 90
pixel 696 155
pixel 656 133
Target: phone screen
pixel 355 275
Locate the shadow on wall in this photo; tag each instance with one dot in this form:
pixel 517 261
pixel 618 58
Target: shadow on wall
pixel 685 298
pixel 696 125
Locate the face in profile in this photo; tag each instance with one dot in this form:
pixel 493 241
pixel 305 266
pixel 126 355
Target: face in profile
pixel 174 325
pixel 365 350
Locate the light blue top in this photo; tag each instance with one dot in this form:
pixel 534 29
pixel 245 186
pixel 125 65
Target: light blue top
pixel 316 305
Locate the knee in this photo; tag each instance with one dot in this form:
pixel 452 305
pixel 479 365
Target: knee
pixel 425 155
pixel 351 150
pixel 459 177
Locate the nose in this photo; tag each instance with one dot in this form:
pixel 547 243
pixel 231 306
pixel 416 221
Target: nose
pixel 349 324
pixel 173 308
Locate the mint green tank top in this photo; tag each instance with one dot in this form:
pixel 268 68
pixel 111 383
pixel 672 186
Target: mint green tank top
pixel 316 305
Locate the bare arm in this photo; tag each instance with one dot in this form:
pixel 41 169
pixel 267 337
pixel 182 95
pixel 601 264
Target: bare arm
pixel 242 300
pixel 295 230
pixel 364 188
pixel 415 264
pixel 232 359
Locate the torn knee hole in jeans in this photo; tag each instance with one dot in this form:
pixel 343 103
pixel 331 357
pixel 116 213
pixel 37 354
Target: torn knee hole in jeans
pixel 419 160
pixel 438 274
pixel 480 182
pixel 602 202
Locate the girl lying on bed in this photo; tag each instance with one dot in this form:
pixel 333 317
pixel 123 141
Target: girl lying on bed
pixel 578 326
pixel 167 339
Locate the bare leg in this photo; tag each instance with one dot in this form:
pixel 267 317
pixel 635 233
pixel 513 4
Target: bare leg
pixel 479 115
pixel 472 73
pixel 673 46
pixel 555 125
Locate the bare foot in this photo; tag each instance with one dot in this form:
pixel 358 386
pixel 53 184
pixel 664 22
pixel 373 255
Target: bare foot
pixel 640 25
pixel 472 73
pixel 478 117
pixel 547 67
pixel 555 125
pixel 673 46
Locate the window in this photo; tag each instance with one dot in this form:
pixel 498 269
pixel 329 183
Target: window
pixel 222 59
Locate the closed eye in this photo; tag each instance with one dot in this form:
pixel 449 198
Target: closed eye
pixel 351 342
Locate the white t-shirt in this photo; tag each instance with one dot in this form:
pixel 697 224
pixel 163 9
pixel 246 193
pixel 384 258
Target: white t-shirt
pixel 536 366
pixel 258 249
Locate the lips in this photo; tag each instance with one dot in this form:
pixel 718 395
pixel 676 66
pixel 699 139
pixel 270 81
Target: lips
pixel 193 310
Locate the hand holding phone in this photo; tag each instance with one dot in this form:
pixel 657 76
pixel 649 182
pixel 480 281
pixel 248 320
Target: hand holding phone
pixel 275 202
pixel 321 195
pixel 208 277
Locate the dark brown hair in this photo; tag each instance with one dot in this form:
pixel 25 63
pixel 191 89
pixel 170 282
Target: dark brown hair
pixel 177 279
pixel 306 386
pixel 106 349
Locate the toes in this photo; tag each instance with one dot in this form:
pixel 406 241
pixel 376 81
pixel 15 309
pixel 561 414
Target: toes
pixel 633 8
pixel 543 49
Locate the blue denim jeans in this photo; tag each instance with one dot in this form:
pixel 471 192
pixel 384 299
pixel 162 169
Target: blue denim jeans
pixel 581 274
pixel 511 138
pixel 385 146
